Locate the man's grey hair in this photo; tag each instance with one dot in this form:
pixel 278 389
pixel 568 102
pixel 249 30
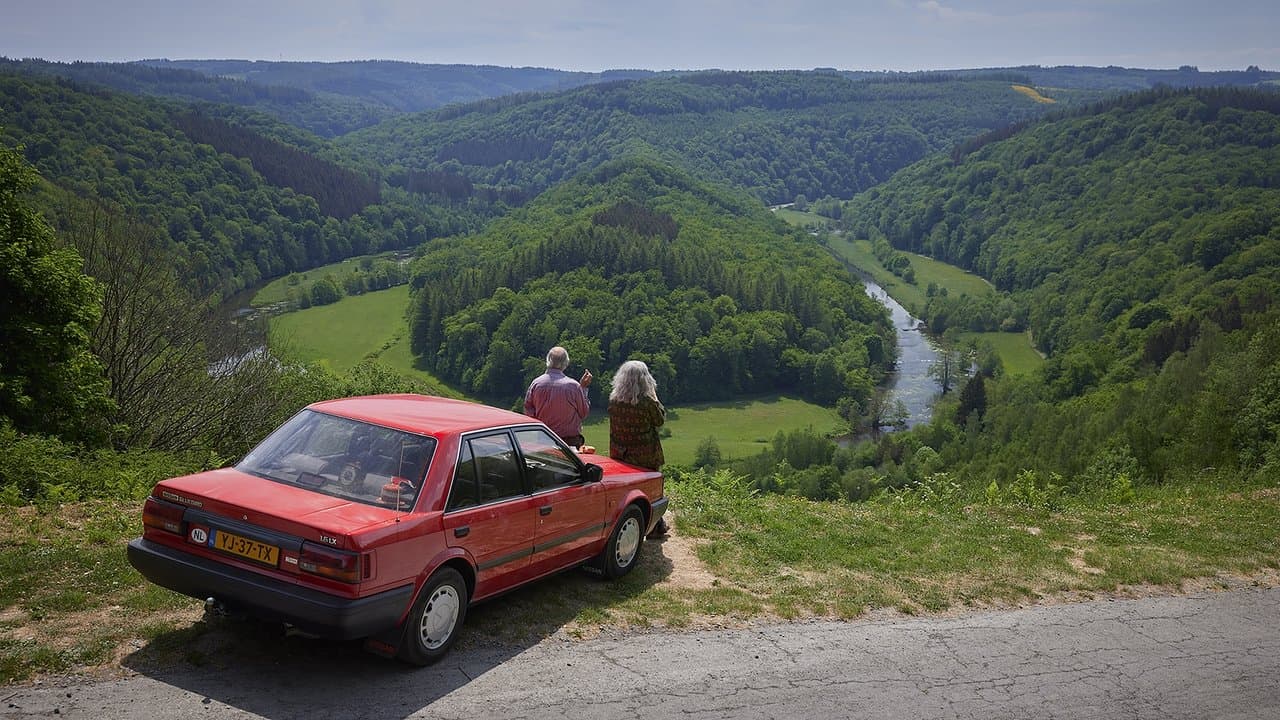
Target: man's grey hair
pixel 558 358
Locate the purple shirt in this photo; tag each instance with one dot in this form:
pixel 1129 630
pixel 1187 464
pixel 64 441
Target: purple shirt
pixel 559 401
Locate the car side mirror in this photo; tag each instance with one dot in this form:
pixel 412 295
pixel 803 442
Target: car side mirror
pixel 593 473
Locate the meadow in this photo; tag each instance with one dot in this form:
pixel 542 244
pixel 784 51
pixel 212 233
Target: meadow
pixel 340 335
pixel 741 428
pixel 1015 350
pixel 912 296
pixel 803 219
pixel 278 290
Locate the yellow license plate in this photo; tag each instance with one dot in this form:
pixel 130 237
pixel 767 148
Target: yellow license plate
pixel 244 547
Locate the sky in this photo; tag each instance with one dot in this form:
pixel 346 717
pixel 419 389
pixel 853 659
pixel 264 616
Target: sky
pixel 658 34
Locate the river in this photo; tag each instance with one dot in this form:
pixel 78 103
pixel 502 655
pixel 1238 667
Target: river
pixel 909 382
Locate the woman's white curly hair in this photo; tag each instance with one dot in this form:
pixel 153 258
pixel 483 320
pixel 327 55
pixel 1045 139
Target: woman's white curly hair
pixel 632 382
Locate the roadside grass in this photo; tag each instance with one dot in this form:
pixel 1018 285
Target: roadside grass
pixel 740 428
pixel 278 290
pixel 68 597
pixel 69 601
pixel 802 558
pixel 1015 350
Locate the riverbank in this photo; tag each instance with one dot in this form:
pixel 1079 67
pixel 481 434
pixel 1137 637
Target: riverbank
pixel 910 382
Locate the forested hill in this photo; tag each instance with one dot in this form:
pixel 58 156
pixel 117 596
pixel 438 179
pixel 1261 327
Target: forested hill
pixel 328 99
pixel 237 205
pixel 324 115
pixel 637 260
pixel 399 86
pixel 1141 242
pixel 1110 79
pixel 778 134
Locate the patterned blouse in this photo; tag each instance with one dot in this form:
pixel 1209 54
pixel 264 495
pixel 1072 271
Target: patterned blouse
pixel 633 432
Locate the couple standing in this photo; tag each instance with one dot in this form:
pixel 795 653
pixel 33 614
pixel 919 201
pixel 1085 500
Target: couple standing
pixel 634 410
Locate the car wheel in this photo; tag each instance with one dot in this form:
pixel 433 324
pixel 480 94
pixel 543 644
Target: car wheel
pixel 434 622
pixel 623 548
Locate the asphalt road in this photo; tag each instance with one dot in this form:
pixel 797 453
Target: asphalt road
pixel 1214 655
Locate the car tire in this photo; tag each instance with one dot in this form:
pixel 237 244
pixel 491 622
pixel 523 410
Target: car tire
pixel 623 549
pixel 436 618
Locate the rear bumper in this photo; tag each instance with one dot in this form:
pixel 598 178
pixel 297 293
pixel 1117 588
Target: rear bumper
pixel 657 510
pixel 310 610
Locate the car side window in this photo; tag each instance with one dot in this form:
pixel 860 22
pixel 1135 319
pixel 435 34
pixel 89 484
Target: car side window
pixel 465 491
pixel 496 468
pixel 546 462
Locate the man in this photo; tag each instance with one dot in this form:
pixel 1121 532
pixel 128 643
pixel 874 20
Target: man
pixel 558 400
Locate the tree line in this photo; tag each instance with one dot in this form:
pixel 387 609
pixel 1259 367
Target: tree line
pixel 778 134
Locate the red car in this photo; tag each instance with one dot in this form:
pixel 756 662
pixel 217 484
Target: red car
pixel 385 517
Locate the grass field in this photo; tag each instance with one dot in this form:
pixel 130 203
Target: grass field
pixel 1015 350
pixel 803 219
pixel 340 335
pixel 956 281
pixel 278 290
pixel 740 428
pixel 356 328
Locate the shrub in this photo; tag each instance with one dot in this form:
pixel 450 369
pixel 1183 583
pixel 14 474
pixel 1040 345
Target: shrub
pixel 39 469
pixel 1028 490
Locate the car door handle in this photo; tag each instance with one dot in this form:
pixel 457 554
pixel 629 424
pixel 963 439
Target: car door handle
pixel 544 510
pixel 463 531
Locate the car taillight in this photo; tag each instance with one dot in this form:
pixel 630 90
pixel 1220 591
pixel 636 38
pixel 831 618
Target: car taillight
pixel 162 515
pixel 330 563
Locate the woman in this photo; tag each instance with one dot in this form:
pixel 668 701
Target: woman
pixel 634 418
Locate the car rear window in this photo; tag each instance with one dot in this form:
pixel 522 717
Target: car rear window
pixel 345 458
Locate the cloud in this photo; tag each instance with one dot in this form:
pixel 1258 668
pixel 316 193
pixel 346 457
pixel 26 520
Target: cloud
pixel 935 9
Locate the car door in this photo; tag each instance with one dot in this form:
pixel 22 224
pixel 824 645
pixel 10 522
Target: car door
pixel 570 510
pixel 490 513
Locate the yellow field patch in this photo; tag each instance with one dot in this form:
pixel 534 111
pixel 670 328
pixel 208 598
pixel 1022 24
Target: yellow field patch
pixel 1031 93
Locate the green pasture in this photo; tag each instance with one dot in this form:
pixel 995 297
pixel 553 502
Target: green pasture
pixel 340 335
pixel 356 328
pixel 278 290
pixel 957 281
pixel 802 219
pixel 740 428
pixel 1015 350
pixel 399 358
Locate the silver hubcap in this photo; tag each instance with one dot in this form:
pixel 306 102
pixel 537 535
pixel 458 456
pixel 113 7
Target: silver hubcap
pixel 628 542
pixel 439 617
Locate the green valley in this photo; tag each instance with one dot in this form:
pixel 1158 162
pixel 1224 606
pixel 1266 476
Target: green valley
pixel 1101 275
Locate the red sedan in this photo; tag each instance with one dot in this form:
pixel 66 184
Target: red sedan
pixel 385 517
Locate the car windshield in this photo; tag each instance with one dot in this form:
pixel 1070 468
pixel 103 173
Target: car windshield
pixel 345 458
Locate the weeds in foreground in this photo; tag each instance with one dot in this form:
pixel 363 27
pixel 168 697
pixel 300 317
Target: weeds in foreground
pixel 69 601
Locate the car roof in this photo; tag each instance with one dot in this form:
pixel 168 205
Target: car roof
pixel 422 414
